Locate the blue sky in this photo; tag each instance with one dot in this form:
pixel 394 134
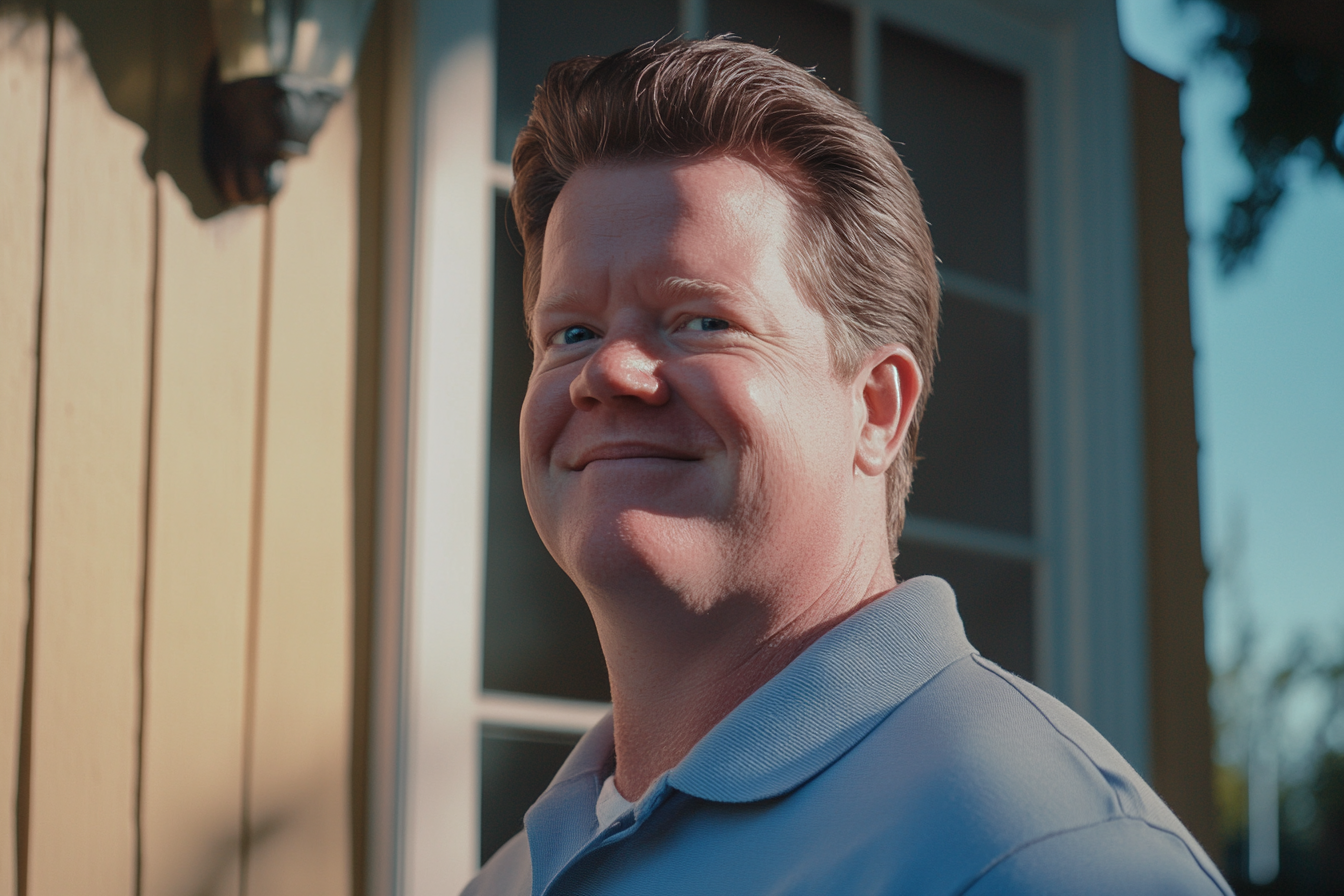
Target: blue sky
pixel 1270 358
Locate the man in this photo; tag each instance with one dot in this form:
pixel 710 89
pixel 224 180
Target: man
pixel 732 300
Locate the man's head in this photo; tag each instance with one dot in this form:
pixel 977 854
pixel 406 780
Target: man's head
pixel 858 244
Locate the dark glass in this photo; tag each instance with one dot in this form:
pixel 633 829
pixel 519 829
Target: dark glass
pixel 539 636
pixel 994 596
pixel 960 125
pixel 804 32
pixel 975 438
pixel 516 766
pixel 535 33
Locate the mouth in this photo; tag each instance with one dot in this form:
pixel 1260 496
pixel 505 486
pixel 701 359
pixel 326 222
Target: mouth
pixel 619 451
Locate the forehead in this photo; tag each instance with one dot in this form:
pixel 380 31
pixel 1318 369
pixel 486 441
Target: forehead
pixel 707 214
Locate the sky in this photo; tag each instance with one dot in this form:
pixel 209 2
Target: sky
pixel 1269 370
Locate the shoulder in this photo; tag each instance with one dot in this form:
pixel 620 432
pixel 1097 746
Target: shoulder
pixel 989 766
pixel 978 723
pixel 508 873
pixel 1120 856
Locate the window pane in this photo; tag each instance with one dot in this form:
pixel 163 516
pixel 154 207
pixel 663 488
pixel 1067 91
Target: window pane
pixel 959 124
pixel 994 596
pixel 539 637
pixel 535 33
pixel 975 439
pixel 516 766
pixel 805 33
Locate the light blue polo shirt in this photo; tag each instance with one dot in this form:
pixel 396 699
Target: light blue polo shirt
pixel 889 757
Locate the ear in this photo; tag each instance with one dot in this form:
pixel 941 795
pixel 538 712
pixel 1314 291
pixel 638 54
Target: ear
pixel 889 384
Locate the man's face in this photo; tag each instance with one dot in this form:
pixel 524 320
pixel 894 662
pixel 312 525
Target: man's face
pixel 683 426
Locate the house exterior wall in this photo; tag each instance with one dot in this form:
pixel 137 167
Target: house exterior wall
pixel 1180 724
pixel 177 501
pixel 202 412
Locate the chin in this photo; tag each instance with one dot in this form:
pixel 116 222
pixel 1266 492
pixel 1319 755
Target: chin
pixel 646 551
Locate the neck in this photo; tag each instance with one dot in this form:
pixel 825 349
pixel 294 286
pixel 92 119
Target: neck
pixel 677 673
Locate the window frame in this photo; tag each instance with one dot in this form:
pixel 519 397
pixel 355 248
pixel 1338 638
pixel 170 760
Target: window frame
pixel 1082 304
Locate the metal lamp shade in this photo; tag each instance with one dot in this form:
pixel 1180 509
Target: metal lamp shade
pixel 280 67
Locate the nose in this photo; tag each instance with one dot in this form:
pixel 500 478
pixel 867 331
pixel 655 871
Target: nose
pixel 619 368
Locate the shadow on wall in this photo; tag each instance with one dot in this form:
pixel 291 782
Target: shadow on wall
pixel 150 56
pixel 205 855
pixel 217 870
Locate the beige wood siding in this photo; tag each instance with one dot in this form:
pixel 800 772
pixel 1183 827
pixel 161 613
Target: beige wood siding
pixel 89 489
pixel 205 383
pixel 23 109
pixel 176 471
pixel 298 769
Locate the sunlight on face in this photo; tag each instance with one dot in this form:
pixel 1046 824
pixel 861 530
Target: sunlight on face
pixel 682 426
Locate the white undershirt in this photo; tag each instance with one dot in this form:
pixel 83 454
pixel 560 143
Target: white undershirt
pixel 610 804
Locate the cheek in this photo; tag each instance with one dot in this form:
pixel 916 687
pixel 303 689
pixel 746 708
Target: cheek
pixel 788 411
pixel 799 432
pixel 546 408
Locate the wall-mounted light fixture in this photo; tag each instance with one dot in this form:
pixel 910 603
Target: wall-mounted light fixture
pixel 280 67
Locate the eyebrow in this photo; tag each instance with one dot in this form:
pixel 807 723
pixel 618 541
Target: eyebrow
pixel 562 301
pixel 688 288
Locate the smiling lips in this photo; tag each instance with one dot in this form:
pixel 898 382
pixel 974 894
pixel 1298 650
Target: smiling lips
pixel 630 451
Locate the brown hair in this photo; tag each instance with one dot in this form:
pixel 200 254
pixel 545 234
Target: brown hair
pixel 861 245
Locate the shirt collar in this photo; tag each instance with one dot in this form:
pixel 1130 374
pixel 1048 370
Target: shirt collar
pixel 816 709
pixel 829 698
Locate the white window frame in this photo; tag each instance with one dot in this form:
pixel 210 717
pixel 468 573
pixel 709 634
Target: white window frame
pixel 1088 544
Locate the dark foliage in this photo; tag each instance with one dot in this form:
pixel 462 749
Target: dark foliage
pixel 1291 53
pixel 1328 827
pixel 1311 796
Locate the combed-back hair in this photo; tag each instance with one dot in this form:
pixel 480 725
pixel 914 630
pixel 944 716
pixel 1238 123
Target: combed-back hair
pixel 860 248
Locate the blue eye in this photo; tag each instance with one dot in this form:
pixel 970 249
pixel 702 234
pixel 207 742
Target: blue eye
pixel 571 335
pixel 706 324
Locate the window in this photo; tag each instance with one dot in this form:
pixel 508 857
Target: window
pixel 1026 498
pixel 960 125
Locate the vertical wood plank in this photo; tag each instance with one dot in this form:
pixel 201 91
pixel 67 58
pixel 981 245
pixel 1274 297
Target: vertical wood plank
pixel 300 740
pixel 23 109
pixel 197 577
pixel 89 491
pixel 200 518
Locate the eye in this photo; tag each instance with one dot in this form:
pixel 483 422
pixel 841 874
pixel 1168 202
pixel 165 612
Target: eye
pixel 707 324
pixel 572 335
